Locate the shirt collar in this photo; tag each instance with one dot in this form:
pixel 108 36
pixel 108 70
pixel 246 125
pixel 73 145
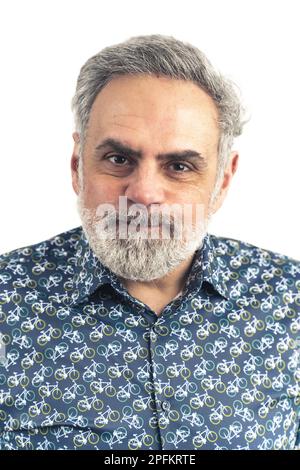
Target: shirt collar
pixel 90 273
pixel 208 267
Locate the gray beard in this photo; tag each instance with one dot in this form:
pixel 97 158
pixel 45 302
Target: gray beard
pixel 134 258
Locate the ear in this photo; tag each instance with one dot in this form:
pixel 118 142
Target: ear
pixel 75 162
pixel 228 175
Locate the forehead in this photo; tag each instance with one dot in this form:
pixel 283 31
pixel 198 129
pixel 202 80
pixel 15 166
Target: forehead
pixel 156 107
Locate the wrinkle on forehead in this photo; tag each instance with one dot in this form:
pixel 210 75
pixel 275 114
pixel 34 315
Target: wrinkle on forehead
pixel 156 111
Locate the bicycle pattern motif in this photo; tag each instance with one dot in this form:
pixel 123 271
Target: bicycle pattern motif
pixel 88 366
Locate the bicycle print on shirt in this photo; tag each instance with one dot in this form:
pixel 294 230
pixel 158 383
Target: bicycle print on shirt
pixel 88 366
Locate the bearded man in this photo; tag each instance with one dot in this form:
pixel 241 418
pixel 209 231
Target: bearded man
pixel 140 329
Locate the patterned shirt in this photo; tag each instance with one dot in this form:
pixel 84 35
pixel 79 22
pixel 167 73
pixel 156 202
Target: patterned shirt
pixel 88 366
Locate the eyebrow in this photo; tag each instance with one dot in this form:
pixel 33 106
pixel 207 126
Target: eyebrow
pixel 123 148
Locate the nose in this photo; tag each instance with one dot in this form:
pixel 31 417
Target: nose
pixel 145 185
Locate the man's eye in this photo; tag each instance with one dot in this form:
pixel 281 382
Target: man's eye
pixel 118 159
pixel 180 167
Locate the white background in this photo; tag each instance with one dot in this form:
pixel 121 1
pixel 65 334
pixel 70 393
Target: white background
pixel 44 44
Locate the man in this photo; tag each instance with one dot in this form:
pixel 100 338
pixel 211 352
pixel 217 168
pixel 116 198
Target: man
pixel 140 330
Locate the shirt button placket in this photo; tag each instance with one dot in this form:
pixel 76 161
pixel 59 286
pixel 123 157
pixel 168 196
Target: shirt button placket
pixel 163 405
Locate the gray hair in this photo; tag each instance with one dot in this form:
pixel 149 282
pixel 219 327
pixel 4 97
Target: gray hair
pixel 160 55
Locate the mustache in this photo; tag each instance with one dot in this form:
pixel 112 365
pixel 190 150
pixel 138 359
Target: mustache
pixel 143 218
pixel 112 221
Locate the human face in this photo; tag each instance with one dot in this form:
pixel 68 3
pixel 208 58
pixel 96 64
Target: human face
pixel 153 140
pixel 154 116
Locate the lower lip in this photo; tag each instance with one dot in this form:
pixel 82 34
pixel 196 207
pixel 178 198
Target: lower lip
pixel 148 228
pixel 141 226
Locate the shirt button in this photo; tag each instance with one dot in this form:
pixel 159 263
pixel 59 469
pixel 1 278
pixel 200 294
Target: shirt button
pixel 165 405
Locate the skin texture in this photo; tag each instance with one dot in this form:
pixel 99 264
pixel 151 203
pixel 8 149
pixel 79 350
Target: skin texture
pixel 154 115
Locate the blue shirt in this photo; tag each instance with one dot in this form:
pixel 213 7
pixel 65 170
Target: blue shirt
pixel 88 366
